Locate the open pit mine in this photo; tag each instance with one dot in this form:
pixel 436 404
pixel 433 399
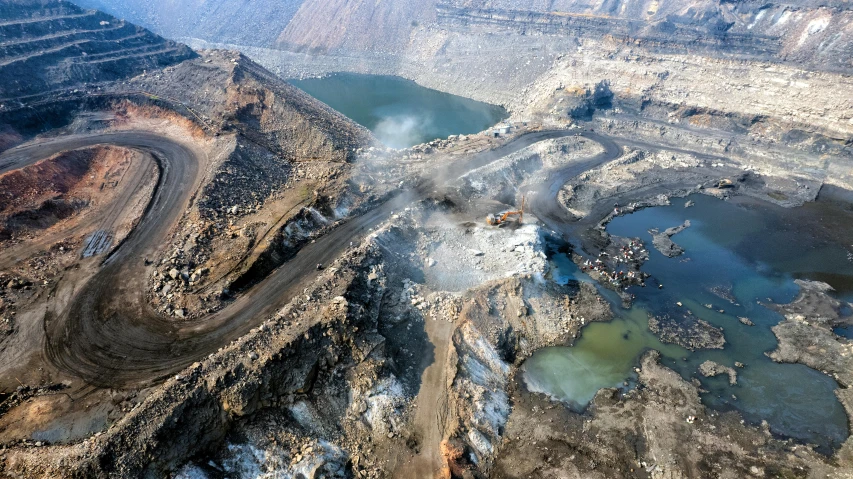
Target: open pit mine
pixel 426 239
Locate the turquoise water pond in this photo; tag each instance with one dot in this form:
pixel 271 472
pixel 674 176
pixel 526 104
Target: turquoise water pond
pixel 400 112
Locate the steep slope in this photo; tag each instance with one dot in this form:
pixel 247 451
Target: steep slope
pixel 747 61
pixel 46 45
pixel 804 32
pixel 377 27
pixel 816 35
pixel 243 22
pixel 221 157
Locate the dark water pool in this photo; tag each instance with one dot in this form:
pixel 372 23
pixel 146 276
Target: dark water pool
pixel 740 255
pixel 400 112
pixel 845 332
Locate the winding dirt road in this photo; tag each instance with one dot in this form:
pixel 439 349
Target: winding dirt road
pixel 545 203
pixel 110 336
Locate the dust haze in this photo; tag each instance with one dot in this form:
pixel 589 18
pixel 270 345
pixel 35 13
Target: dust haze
pixel 402 131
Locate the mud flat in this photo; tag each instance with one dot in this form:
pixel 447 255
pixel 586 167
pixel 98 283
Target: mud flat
pixel 711 369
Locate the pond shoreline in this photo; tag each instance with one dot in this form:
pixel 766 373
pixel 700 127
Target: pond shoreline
pixel 723 310
pixel 399 112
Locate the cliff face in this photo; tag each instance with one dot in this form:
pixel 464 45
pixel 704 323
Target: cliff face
pixel 242 22
pixel 813 34
pixel 771 66
pixel 500 50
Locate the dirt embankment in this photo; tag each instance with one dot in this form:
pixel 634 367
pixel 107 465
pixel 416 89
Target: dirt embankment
pixel 278 173
pixel 263 147
pixel 332 383
pixel 277 169
pixel 53 210
pixel 297 368
pixel 38 196
pixel 498 325
pixel 9 137
pixel 505 180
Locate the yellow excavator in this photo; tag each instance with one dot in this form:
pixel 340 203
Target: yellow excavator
pixel 501 218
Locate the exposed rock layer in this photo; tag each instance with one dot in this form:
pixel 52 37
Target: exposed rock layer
pixel 50 44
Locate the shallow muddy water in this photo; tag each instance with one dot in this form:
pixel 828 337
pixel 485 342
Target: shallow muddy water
pixel 740 255
pixel 400 112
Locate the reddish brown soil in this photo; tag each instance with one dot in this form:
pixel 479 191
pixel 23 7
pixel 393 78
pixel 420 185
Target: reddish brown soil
pixel 38 196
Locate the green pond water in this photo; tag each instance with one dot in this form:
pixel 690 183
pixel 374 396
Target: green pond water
pixel 739 256
pixel 399 112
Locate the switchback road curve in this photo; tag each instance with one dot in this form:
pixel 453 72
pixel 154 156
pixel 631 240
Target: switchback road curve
pixel 110 336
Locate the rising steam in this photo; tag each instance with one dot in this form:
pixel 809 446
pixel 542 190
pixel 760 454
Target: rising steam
pixel 402 131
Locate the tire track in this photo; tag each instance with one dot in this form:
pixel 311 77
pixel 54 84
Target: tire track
pixel 111 337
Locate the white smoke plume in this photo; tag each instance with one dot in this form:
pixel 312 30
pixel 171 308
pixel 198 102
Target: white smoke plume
pixel 402 131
